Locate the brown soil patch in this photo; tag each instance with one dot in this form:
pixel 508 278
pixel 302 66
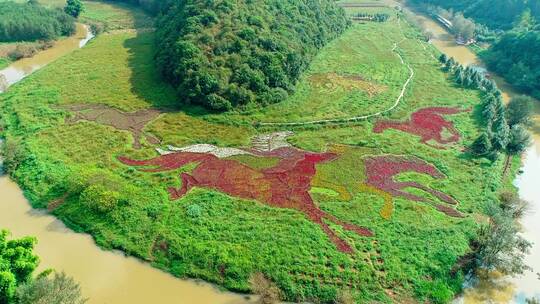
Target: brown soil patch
pixel 57 203
pixel 333 81
pixel 133 122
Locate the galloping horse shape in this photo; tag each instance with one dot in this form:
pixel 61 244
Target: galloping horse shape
pixel 285 185
pixel 428 123
pixel 382 170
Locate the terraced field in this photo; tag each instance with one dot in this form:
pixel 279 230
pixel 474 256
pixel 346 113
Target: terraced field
pixel 382 207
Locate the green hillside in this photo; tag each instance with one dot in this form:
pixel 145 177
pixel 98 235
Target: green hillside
pixel 227 54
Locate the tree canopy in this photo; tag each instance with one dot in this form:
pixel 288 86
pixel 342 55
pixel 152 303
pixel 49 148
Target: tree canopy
pixel 515 56
pixel 74 8
pixel 17 263
pixel 499 14
pixel 29 22
pixel 227 54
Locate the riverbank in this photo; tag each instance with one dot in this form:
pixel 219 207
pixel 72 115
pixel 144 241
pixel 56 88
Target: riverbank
pixel 105 276
pixel 19 69
pixel 526 286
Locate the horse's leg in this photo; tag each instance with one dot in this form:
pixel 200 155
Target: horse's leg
pixel 440 195
pixel 316 216
pixel 188 182
pixel 425 140
pixel 397 190
pixel 348 226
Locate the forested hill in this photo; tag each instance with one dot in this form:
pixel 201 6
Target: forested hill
pixel 499 14
pixel 227 54
pixel 516 57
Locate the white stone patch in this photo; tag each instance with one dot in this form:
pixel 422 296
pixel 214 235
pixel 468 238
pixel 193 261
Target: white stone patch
pixel 205 148
pixel 263 143
pixel 271 141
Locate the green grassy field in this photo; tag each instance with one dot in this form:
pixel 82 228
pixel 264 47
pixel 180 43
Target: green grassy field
pixel 413 252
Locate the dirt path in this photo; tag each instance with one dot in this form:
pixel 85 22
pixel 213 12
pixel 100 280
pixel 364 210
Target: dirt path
pixel 363 117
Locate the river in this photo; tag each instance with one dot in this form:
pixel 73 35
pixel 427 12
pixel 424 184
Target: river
pixel 105 276
pixel 503 290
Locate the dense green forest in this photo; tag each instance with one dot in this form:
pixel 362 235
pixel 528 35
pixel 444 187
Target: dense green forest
pixel 492 13
pixel 516 57
pixel 29 22
pixel 225 54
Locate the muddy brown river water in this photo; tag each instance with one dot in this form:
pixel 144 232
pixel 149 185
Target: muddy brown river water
pixel 105 276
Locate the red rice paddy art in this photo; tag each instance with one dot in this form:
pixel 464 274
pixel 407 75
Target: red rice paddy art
pixel 285 185
pixel 428 123
pixel 382 170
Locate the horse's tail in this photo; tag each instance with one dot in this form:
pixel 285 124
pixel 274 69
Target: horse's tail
pixel 382 125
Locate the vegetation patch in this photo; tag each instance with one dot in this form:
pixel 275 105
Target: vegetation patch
pixel 30 22
pixel 333 81
pixel 133 122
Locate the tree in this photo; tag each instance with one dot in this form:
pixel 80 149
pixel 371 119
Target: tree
pixel 17 263
pixel 60 289
pixel 443 58
pixel 482 145
pixel 450 63
pixel 520 140
pixel 525 21
pixel 501 134
pixel 519 110
pixel 499 244
pixel 74 8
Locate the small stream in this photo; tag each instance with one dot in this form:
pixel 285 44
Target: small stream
pixel 105 276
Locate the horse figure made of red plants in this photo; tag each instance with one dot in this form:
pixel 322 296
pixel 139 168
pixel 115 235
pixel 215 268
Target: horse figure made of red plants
pixel 382 171
pixel 285 185
pixel 428 123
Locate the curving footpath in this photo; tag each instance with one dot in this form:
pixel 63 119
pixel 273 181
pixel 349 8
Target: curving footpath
pixel 363 117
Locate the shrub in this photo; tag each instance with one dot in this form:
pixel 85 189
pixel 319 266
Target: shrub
pixel 100 198
pixel 14 154
pixel 74 8
pixel 194 211
pixel 60 289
